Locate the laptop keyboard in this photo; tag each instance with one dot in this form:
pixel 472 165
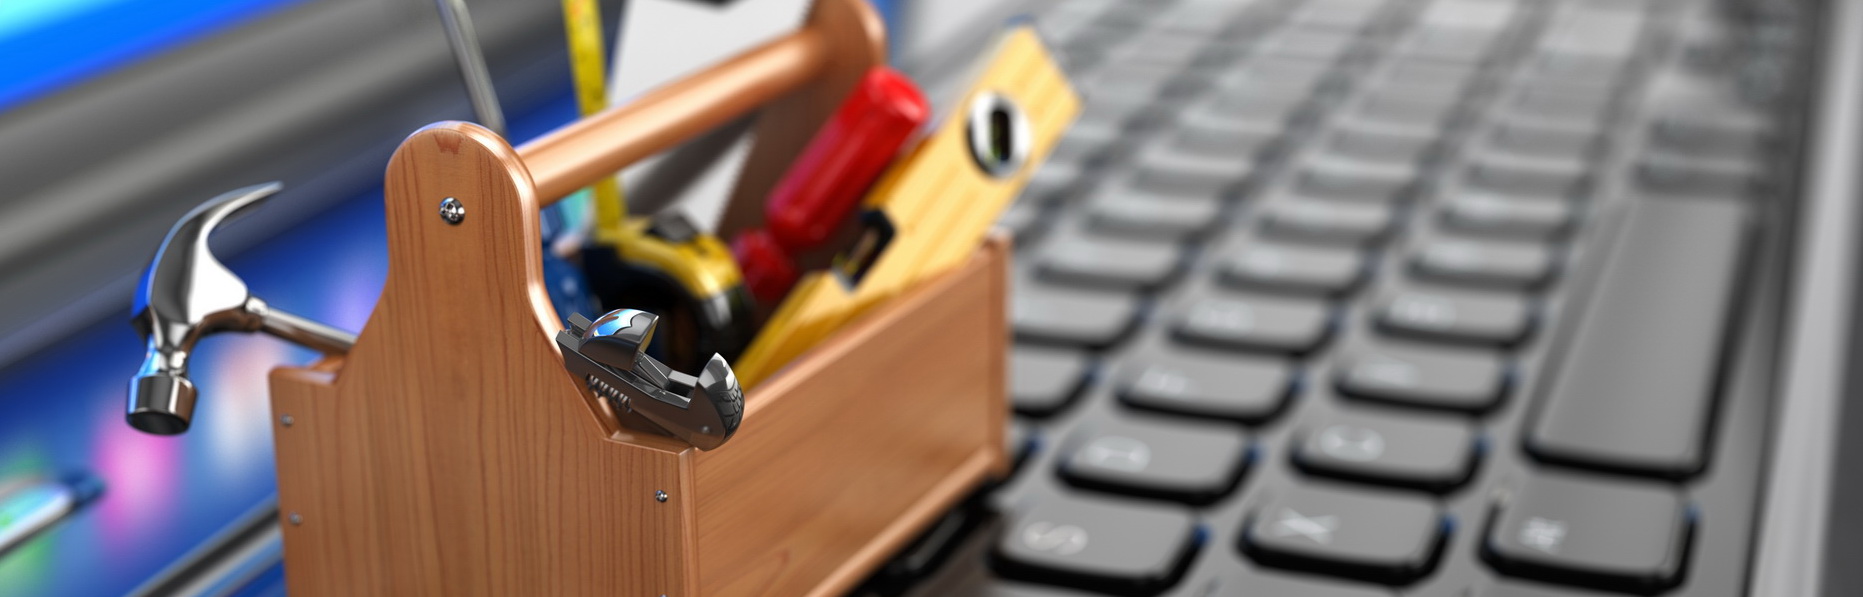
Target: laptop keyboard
pixel 1363 297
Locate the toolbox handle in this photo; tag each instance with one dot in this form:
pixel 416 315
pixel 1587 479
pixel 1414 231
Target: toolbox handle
pixel 577 155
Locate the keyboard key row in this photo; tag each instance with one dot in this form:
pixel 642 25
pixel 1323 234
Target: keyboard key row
pixel 1552 527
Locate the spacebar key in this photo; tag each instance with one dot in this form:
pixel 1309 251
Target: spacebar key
pixel 1637 391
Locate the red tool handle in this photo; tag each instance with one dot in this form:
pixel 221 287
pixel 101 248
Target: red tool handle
pixel 844 158
pixel 828 179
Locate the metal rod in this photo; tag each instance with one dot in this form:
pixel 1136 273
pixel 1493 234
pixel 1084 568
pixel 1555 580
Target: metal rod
pixel 465 42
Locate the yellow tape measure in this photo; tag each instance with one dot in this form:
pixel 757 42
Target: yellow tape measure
pixel 662 264
pixel 582 24
pixel 933 206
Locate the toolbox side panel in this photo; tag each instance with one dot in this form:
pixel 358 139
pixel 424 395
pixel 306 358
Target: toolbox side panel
pixel 450 453
pixel 862 444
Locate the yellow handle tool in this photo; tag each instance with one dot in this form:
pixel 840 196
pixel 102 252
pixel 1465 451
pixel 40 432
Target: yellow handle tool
pixel 932 209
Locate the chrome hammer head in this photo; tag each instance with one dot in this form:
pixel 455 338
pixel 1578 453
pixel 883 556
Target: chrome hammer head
pixel 186 294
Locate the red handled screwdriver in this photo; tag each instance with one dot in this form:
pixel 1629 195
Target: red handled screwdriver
pixel 827 180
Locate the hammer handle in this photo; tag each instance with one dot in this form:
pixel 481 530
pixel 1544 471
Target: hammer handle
pixel 316 336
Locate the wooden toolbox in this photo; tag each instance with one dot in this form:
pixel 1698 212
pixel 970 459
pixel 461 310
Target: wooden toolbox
pixel 450 453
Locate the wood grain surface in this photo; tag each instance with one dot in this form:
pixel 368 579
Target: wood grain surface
pixel 450 453
pixel 879 431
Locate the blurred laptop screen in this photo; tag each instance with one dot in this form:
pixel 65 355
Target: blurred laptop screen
pixel 52 44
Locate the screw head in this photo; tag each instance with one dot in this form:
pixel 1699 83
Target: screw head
pixel 295 519
pixel 659 495
pixel 452 211
pixel 286 420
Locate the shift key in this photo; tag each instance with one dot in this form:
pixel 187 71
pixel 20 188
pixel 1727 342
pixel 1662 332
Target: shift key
pixel 1639 386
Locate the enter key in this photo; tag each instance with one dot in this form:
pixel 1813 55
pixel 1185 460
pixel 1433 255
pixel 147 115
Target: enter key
pixel 1642 373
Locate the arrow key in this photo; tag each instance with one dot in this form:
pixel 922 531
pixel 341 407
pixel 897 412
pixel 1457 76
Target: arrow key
pixel 1618 536
pixel 1429 453
pixel 1390 539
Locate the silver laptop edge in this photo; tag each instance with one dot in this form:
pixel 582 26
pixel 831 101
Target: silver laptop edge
pixel 1790 555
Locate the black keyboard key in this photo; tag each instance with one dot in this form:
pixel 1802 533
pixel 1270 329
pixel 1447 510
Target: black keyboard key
pixel 1243 142
pixel 1689 177
pixel 1043 380
pixel 1727 134
pixel 1469 380
pixel 1022 220
pixel 1312 46
pixel 1529 177
pixel 1429 453
pixel 1491 318
pixel 1543 101
pixel 1098 544
pixel 1382 538
pixel 1336 178
pixel 1161 52
pixel 1085 143
pixel 1104 120
pixel 1326 271
pixel 1094 260
pixel 1564 143
pixel 1131 211
pixel 1483 212
pixel 1637 391
pixel 1325 221
pixel 1055 182
pixel 1435 79
pixel 1590 532
pixel 1131 85
pixel 1339 17
pixel 1504 264
pixel 1235 582
pixel 1374 143
pixel 1166 170
pixel 1448 47
pixel 1248 109
pixel 1535 590
pixel 1256 322
pixel 1094 318
pixel 1576 70
pixel 1201 383
pixel 1288 82
pixel 1424 115
pixel 1187 462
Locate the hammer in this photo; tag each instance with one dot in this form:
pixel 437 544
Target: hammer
pixel 186 294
